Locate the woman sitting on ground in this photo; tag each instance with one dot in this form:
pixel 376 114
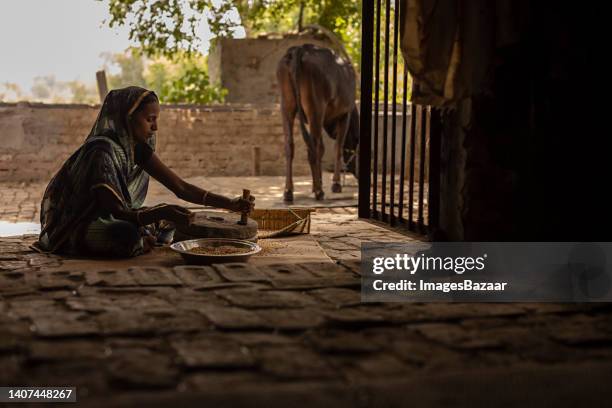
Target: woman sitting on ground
pixel 93 205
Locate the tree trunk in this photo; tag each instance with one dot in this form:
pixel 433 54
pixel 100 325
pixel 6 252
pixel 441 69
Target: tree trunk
pixel 242 7
pixel 301 17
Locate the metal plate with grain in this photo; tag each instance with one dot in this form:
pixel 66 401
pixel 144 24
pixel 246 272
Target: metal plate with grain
pixel 185 248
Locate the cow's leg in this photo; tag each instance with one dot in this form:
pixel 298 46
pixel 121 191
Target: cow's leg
pixel 288 112
pixel 288 119
pixel 341 129
pixel 316 131
pixel 315 147
pixel 314 110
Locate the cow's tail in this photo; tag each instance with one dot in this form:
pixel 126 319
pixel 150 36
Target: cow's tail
pixel 351 142
pixel 296 62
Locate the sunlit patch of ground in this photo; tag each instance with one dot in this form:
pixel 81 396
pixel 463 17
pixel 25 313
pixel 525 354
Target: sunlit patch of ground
pixel 9 229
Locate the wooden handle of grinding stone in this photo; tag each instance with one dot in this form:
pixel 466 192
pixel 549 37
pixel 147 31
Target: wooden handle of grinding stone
pixel 243 217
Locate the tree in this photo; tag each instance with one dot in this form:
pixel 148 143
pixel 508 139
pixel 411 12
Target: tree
pixel 49 89
pixel 180 79
pixel 44 87
pixel 166 32
pixel 83 93
pixel 169 26
pixel 11 92
pixel 341 17
pixel 183 79
pixel 131 67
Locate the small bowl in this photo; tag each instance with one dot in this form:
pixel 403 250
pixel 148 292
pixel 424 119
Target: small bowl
pixel 183 248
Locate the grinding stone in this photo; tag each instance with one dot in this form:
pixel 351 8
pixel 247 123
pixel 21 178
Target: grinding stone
pixel 211 224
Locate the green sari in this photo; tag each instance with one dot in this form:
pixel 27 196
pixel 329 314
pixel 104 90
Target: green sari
pixel 105 160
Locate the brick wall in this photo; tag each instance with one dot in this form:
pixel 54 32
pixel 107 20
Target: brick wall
pixel 35 139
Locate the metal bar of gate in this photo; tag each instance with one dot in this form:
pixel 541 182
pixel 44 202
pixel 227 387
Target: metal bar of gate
pixel 383 202
pixel 377 199
pixel 435 144
pixel 403 156
pixel 367 31
pixel 423 118
pixel 376 110
pixel 394 113
pixel 413 119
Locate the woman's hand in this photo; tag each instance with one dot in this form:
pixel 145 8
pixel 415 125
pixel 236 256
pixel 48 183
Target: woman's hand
pixel 177 214
pixel 148 243
pixel 240 204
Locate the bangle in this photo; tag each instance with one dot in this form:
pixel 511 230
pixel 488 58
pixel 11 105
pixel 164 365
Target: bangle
pixel 204 197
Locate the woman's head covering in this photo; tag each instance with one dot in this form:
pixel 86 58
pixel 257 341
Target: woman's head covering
pixel 105 160
pixel 115 113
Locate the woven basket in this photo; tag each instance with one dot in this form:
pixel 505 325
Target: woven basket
pixel 285 221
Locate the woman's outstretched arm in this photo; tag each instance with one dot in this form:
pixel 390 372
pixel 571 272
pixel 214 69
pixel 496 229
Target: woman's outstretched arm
pixel 189 192
pixel 108 201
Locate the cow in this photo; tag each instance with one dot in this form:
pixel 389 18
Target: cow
pixel 319 87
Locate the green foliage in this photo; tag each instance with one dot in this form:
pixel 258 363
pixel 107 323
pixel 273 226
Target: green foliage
pixel 192 87
pixel 166 27
pixel 166 32
pixel 381 62
pixel 343 18
pixel 181 79
pixel 131 65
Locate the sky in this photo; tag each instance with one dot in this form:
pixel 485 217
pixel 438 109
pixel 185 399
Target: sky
pixel 59 37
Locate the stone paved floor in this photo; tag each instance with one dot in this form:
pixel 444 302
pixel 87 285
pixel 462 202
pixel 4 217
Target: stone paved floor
pixel 134 333
pixel 20 202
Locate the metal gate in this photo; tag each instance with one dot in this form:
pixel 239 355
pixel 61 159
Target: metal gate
pixel 399 180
